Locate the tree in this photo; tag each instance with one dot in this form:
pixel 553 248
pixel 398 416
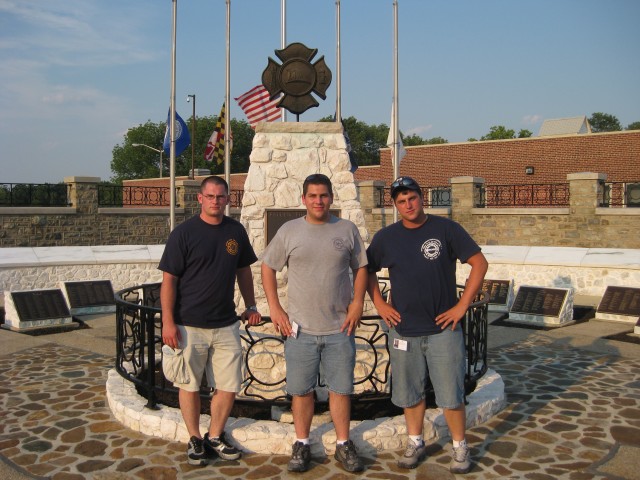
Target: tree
pixel 634 126
pixel 366 140
pixel 604 122
pixel 131 162
pixel 499 132
pixel 523 133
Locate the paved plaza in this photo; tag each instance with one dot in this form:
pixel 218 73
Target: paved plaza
pixel 573 412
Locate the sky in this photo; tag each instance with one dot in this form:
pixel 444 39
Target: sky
pixel 75 75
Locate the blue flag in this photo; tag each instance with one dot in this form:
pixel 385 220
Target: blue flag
pixel 183 139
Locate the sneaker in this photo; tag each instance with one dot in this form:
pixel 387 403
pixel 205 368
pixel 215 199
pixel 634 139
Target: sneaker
pixel 221 447
pixel 196 454
pixel 300 458
pixel 348 456
pixel 413 455
pixel 461 462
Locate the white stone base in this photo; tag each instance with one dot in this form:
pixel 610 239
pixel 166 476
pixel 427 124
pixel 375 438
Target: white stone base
pixel 540 320
pixel 611 317
pixel 271 437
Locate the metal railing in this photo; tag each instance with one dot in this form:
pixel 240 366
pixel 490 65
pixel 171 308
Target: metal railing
pixel 620 194
pixel 139 345
pixel 132 196
pixel 432 197
pixel 34 195
pixel 528 195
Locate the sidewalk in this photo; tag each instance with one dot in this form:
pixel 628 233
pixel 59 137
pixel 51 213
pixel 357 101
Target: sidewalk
pixel 573 412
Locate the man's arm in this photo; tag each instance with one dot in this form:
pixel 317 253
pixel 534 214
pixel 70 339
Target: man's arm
pixel 389 314
pixel 245 284
pixel 479 266
pixel 354 310
pixel 168 293
pixel 279 317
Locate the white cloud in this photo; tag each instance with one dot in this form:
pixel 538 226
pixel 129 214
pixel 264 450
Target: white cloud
pixel 531 119
pixel 420 130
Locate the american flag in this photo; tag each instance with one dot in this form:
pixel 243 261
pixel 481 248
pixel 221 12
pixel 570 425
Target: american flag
pixel 257 106
pixel 215 145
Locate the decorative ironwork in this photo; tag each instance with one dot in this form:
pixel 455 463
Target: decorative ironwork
pixel 34 195
pixel 236 198
pixel 139 341
pixel 619 194
pixel 529 195
pixel 432 197
pixel 132 196
pixel 296 78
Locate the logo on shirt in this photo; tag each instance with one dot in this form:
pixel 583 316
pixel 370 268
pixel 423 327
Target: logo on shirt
pixel 338 243
pixel 431 249
pixel 232 247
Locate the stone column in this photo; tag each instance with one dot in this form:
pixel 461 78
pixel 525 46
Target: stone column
pixel 83 194
pixel 585 192
pixel 187 197
pixel 370 194
pixel 465 196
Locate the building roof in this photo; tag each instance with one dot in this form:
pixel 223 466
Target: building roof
pixel 565 126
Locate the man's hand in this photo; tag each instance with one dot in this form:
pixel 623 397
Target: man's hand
pixel 451 316
pixel 389 314
pixel 170 334
pixel 352 320
pixel 253 316
pixel 280 320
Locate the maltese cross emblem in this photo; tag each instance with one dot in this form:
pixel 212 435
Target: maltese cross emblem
pixel 297 78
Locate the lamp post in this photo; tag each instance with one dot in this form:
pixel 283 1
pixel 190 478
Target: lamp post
pixel 193 137
pixel 159 150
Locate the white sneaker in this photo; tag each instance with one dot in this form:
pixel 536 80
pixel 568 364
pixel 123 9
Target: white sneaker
pixel 461 461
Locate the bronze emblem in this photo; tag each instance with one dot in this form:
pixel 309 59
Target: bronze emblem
pixel 297 78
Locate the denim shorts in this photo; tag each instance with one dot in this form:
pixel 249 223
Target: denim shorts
pixel 216 351
pixel 440 357
pixel 331 356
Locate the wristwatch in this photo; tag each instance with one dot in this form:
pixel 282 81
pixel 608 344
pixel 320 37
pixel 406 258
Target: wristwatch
pixel 253 308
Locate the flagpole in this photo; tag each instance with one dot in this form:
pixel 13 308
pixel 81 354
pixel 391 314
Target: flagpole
pixel 172 127
pixel 396 153
pixel 227 95
pixel 338 66
pixel 283 40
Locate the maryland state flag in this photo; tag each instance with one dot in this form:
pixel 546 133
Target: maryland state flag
pixel 215 145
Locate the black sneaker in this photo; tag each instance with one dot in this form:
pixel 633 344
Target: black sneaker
pixel 300 458
pixel 196 454
pixel 348 456
pixel 221 447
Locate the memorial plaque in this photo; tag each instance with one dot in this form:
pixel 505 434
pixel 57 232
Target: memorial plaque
pixel 40 305
pixel 87 294
pixel 539 301
pixel 620 301
pixel 276 218
pixel 498 290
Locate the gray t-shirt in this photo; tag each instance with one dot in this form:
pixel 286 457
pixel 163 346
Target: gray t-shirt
pixel 319 259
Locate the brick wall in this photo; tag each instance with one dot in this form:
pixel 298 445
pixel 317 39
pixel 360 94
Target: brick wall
pixel 616 154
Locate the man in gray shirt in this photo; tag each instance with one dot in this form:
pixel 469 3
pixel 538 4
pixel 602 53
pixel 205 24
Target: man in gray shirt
pixel 320 251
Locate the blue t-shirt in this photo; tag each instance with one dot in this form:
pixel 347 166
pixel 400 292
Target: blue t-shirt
pixel 422 269
pixel 205 259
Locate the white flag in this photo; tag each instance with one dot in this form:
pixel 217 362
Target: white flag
pixel 401 152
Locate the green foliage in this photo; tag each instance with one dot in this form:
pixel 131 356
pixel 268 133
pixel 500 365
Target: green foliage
pixel 131 162
pixel 499 132
pixel 634 126
pixel 523 133
pixel 604 122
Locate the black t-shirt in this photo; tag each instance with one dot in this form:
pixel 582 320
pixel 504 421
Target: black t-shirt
pixel 422 269
pixel 205 259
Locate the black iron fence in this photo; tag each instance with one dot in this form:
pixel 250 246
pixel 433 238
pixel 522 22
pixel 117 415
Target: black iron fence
pixel 132 196
pixel 34 195
pixel 620 194
pixel 528 195
pixel 432 197
pixel 139 356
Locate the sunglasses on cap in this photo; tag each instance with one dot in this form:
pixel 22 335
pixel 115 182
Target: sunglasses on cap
pixel 402 183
